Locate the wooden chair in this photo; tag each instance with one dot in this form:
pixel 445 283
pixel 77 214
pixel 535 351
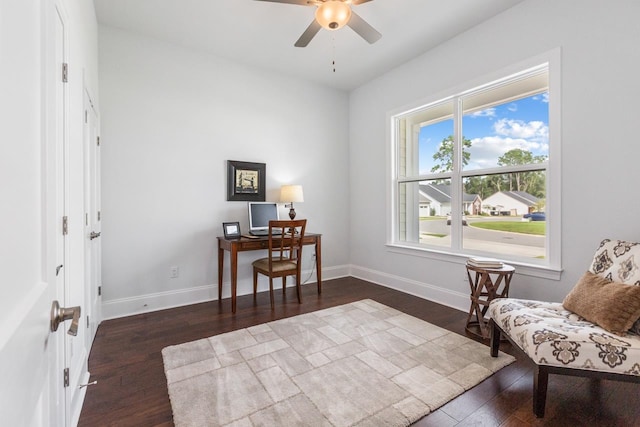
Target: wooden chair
pixel 285 252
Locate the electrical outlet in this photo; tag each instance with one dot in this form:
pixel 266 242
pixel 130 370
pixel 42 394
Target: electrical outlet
pixel 174 272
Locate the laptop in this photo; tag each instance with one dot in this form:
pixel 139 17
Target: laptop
pixel 260 213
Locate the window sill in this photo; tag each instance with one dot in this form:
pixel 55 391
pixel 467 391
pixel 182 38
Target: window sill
pixel 541 271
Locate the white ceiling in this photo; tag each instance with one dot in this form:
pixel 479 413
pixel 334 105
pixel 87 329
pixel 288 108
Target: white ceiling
pixel 261 34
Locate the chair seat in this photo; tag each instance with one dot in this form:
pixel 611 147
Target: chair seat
pixel 262 264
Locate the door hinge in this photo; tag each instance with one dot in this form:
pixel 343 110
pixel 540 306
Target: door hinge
pixel 99 215
pixel 86 116
pixel 65 72
pixel 86 218
pixel 98 140
pixel 65 225
pixel 99 290
pixel 87 322
pixel 66 377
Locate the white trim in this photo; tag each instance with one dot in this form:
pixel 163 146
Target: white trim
pixel 157 301
pixel 524 268
pixel 177 298
pixel 457 300
pixel 554 169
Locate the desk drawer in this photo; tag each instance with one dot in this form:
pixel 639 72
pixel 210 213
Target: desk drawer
pixel 258 244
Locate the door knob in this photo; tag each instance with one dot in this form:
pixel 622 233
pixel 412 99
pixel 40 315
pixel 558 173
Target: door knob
pixel 60 314
pixel 94 235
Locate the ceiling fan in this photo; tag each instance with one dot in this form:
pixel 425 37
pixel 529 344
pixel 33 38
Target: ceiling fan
pixel 333 15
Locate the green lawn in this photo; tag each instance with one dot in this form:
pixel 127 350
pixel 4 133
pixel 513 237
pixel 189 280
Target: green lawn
pixel 533 227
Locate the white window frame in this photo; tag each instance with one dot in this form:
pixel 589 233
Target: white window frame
pixel 551 266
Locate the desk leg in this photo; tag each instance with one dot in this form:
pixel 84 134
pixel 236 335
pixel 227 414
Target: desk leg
pixel 234 276
pixel 319 263
pixel 220 271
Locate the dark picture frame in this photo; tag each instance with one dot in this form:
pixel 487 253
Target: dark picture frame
pixel 231 230
pixel 246 181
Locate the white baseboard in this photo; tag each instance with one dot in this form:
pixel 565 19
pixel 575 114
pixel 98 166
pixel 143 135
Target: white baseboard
pixel 157 301
pixel 457 300
pixel 177 298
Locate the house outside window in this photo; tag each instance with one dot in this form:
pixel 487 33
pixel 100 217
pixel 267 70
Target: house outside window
pixel 481 160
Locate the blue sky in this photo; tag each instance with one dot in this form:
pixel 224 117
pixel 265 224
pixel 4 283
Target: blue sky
pixel 523 124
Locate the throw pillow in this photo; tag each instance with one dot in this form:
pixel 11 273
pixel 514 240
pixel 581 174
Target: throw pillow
pixel 611 305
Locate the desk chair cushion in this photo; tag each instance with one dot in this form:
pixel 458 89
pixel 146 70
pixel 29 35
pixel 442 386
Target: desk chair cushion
pixel 263 265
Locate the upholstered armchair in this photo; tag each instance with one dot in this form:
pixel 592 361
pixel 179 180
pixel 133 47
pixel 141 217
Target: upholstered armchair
pixel 592 333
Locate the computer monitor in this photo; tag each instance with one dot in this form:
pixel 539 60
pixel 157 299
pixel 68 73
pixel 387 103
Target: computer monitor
pixel 260 213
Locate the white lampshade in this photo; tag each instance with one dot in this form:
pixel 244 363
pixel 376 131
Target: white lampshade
pixel 291 193
pixel 333 14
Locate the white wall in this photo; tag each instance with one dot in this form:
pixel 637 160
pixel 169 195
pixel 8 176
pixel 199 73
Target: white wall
pixel 170 120
pixel 600 92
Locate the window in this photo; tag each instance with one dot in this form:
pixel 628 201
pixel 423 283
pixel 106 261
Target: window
pixel 472 172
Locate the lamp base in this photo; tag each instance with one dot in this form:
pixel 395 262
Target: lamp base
pixel 292 213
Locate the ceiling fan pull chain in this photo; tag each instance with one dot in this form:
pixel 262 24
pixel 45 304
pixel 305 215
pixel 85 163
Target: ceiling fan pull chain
pixel 333 48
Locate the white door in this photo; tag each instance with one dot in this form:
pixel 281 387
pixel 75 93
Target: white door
pixel 73 354
pixel 93 214
pixel 59 198
pixel 70 358
pixel 35 255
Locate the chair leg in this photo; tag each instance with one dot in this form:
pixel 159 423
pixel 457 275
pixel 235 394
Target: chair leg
pixel 495 338
pixel 255 283
pixel 271 291
pixel 298 289
pixel 540 381
pixel 284 284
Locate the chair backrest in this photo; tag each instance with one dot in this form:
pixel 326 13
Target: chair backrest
pixel 617 260
pixel 285 240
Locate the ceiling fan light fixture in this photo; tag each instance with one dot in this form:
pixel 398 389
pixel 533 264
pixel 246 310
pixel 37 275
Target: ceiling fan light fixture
pixel 333 14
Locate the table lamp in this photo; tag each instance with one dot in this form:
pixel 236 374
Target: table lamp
pixel 291 194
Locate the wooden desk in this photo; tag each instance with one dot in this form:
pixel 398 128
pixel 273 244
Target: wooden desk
pixel 245 244
pixel 483 290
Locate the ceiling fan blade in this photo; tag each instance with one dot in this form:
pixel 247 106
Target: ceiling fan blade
pixel 308 34
pixel 357 2
pixel 365 30
pixel 299 2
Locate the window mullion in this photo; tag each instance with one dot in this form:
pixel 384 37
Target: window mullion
pixel 506 169
pixel 456 179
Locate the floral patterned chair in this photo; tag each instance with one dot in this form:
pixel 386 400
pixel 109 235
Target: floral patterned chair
pixel 593 333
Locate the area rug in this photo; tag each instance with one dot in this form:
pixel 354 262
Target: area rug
pixel 359 364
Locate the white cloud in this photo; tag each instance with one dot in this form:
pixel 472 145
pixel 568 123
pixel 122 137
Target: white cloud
pixel 513 108
pixel 488 112
pixel 520 129
pixel 486 150
pixel 542 98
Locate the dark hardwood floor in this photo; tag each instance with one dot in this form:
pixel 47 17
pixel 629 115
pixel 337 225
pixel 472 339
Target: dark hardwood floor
pixel 132 390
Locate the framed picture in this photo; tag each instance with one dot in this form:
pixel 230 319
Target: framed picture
pixel 246 181
pixel 231 230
